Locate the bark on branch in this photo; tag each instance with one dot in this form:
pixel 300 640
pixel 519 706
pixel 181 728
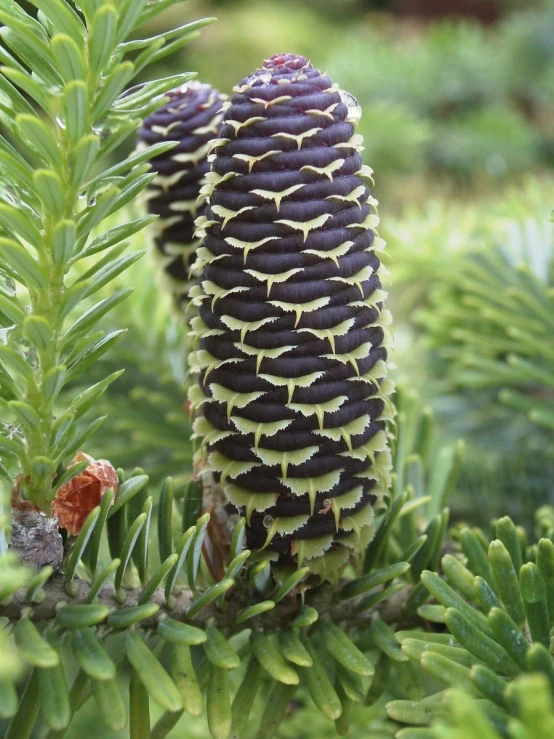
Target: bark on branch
pixel 391 611
pixel 38 542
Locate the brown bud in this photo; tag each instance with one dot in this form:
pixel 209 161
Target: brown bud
pixel 76 499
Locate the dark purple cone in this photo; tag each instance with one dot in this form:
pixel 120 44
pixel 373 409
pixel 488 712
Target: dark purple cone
pixel 290 333
pixel 192 116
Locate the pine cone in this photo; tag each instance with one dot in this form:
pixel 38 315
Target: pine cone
pixel 192 116
pixel 290 339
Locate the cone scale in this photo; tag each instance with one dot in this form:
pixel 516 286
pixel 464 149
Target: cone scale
pixel 192 117
pixel 290 339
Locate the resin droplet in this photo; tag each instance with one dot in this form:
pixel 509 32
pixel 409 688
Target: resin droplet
pixel 354 108
pixel 263 78
pixel 268 520
pixel 327 503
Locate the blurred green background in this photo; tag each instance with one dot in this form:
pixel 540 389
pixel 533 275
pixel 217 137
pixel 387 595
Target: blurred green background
pixel 458 121
pixel 451 105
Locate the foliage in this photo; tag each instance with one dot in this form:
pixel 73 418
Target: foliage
pixel 146 419
pixel 160 602
pixel 80 67
pixel 496 606
pixel 491 337
pixel 448 337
